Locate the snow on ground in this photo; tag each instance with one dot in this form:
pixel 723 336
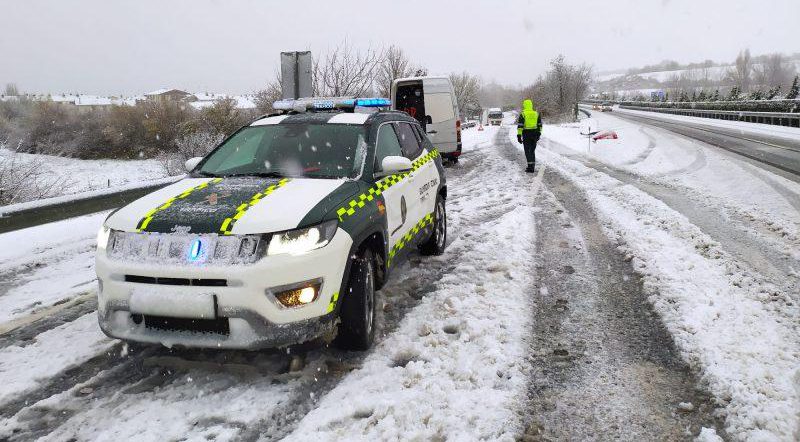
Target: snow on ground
pixel 690 166
pixel 729 323
pixel 452 370
pixel 84 175
pixel 22 368
pixel 45 264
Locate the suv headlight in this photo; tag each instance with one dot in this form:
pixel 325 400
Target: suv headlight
pixel 299 241
pixel 102 237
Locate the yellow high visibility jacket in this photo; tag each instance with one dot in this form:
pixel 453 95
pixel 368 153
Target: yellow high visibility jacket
pixel 528 119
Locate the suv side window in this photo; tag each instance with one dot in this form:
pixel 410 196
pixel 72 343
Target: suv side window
pixel 386 145
pixel 408 141
pixel 421 136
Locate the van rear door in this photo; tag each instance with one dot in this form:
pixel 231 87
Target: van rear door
pixel 441 106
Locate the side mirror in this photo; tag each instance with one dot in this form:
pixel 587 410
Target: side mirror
pixel 191 163
pixel 428 119
pixel 394 164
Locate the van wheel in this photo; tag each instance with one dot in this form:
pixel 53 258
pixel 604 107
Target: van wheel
pixel 357 314
pixel 436 243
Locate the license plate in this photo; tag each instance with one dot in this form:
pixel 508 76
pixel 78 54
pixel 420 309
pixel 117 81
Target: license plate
pixel 175 305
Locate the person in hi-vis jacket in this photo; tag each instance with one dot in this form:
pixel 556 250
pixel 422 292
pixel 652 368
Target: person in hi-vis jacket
pixel 529 129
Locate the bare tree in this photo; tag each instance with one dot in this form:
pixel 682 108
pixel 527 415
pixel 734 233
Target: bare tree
pixel 557 91
pixel 270 94
pixel 467 88
pixel 395 64
pixel 741 74
pixel 26 179
pixel 196 144
pixel 11 90
pixel 346 72
pixel 774 72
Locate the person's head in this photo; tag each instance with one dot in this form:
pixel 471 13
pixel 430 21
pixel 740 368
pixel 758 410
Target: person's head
pixel 527 104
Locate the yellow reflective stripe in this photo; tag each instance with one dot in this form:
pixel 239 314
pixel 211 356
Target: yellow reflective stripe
pixel 227 225
pixel 406 239
pixel 378 188
pixel 332 304
pixel 144 222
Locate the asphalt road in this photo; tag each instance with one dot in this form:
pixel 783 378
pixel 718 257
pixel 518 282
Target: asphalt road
pixel 771 151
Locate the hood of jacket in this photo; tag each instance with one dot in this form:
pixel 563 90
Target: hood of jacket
pixel 527 105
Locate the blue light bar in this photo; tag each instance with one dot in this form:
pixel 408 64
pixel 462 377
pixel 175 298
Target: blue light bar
pixel 303 104
pixel 373 102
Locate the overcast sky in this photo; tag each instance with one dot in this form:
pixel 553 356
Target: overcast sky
pixel 116 47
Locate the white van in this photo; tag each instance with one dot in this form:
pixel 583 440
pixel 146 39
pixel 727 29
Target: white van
pixel 432 102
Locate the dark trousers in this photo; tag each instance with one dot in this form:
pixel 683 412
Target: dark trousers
pixel 529 143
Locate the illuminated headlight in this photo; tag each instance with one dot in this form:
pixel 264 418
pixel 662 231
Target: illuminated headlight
pixel 102 237
pixel 298 295
pixel 299 241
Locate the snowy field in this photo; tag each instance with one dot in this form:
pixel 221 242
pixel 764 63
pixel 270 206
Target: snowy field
pixel 471 344
pixel 75 176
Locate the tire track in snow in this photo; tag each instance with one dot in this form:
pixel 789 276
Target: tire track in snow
pixel 757 255
pixel 603 364
pixel 108 374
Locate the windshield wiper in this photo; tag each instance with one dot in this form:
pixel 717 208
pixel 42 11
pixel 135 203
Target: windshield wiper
pixel 257 174
pixel 207 174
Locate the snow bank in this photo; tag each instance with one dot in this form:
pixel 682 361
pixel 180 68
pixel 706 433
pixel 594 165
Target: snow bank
pixel 744 128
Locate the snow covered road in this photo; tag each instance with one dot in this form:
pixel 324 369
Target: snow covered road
pixel 640 289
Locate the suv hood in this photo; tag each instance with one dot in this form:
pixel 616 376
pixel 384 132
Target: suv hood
pixel 238 205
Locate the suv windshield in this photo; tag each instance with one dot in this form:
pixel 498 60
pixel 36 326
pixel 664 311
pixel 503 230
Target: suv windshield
pixel 290 150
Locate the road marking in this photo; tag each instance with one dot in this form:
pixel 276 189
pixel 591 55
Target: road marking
pixel 42 313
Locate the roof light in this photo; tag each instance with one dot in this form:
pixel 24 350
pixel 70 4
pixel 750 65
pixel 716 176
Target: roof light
pixel 373 102
pixel 304 104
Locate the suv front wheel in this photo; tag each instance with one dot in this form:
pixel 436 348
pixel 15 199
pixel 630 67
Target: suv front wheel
pixel 357 315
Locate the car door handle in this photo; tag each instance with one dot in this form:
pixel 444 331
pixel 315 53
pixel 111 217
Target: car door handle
pixel 433 132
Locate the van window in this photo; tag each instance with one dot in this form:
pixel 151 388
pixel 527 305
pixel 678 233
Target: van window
pixel 439 107
pixel 387 145
pixel 408 141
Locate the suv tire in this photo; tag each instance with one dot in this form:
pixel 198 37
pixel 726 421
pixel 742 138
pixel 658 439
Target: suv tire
pixel 357 314
pixel 436 244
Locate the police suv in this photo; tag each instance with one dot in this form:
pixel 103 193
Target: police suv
pixel 282 234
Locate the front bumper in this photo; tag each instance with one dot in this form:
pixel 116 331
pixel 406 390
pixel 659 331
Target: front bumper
pixel 244 313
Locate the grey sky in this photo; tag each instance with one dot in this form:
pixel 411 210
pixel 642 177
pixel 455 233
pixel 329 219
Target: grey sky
pixel 115 47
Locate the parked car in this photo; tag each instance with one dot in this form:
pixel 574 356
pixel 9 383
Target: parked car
pixel 282 234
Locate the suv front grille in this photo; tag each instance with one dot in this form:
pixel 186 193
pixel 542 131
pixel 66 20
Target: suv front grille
pixel 177 281
pixel 219 326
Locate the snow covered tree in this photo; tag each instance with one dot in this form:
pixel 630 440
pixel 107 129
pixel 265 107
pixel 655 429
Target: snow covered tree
pixel 702 96
pixel 773 92
pixel 715 97
pixel 794 90
pixel 757 94
pixel 694 96
pixel 735 94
